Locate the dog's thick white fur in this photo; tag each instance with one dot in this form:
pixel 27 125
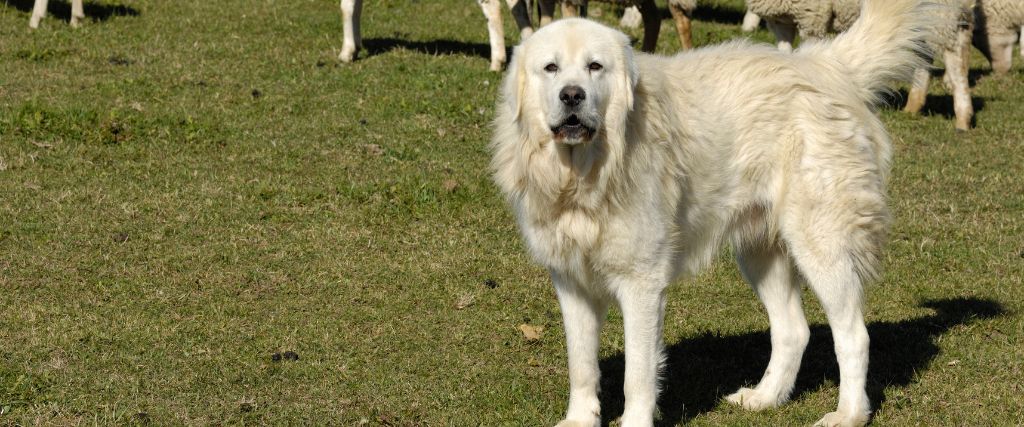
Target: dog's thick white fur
pixel 39 12
pixel 626 171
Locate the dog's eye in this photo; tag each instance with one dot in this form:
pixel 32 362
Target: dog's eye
pixel 551 68
pixel 595 66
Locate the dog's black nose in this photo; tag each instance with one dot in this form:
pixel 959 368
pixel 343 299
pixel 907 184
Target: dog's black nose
pixel 572 95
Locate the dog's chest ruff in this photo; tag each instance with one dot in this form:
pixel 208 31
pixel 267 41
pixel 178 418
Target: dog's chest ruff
pixel 563 240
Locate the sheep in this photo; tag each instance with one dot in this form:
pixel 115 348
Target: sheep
pixel 682 11
pixel 352 9
pixel 682 14
pixel 39 12
pixel 816 18
pixel 996 31
pixel 813 18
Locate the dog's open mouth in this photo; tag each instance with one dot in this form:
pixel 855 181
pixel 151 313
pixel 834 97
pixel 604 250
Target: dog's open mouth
pixel 572 130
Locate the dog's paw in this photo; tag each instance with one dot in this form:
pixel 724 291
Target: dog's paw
pixel 752 399
pixel 841 419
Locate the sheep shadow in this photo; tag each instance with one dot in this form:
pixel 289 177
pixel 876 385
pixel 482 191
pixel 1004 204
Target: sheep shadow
pixel 62 9
pixel 700 371
pixel 377 46
pixel 709 13
pixel 718 14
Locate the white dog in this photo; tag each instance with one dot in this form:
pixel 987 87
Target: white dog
pixel 39 12
pixel 627 170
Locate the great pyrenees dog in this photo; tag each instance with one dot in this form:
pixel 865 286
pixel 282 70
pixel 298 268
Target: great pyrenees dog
pixel 626 171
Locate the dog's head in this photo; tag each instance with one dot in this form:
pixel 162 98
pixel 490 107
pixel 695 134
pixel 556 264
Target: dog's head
pixel 572 82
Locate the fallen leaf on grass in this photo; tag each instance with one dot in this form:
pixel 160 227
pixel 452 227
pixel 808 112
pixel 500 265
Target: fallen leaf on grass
pixel 450 185
pixel 531 332
pixel 464 301
pixel 374 149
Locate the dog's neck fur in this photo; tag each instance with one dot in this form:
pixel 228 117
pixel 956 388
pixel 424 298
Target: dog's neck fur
pixel 576 185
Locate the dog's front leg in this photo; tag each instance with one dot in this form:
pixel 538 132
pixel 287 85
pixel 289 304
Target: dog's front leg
pixel 583 314
pixel 643 311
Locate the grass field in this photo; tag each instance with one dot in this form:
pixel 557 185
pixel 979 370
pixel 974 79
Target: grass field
pixel 206 219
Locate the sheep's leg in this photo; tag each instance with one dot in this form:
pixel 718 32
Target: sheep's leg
pixel 77 13
pixel 785 33
pixel 652 24
pixel 631 18
pixel 1001 49
pixel 521 13
pixel 350 12
pixel 957 62
pixel 750 21
pixel 38 13
pixel 682 17
pixel 547 11
pixel 918 91
pixel 495 31
pixel 574 8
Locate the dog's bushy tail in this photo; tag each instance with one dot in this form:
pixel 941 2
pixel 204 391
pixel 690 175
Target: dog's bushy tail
pixel 888 41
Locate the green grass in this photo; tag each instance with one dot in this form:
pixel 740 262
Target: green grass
pixel 189 187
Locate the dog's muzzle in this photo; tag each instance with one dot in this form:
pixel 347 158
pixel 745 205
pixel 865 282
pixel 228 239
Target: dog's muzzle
pixel 572 130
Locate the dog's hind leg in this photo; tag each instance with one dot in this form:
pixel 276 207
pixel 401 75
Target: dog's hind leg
pixel 770 273
pixel 833 221
pixel 835 239
pixel 583 314
pixel 838 287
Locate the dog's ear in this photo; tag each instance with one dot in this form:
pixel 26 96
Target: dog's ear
pixel 514 85
pixel 630 75
pixel 623 93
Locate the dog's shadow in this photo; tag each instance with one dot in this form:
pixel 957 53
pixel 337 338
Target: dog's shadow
pixel 700 371
pixel 62 9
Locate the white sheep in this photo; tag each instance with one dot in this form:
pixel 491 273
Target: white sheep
pixel 816 18
pixel 647 10
pixel 39 12
pixel 998 22
pixel 682 11
pixel 352 9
